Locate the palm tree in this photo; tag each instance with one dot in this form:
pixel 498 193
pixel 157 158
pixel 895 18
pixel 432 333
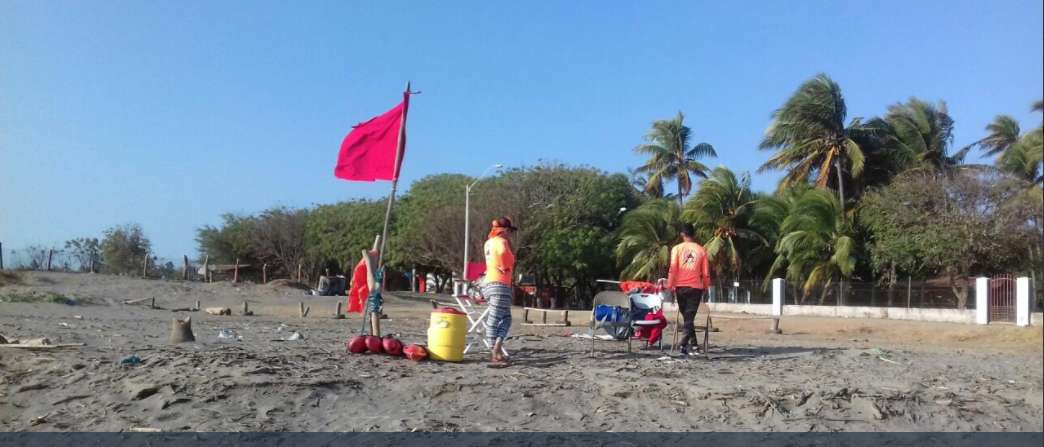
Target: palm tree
pixel 811 139
pixel 1004 132
pixel 646 190
pixel 1023 161
pixel 723 213
pixel 671 156
pixel 920 135
pixel 646 237
pixel 816 246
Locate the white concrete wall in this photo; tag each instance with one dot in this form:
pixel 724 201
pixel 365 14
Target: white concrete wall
pixel 896 313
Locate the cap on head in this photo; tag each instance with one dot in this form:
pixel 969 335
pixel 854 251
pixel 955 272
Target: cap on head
pixel 505 222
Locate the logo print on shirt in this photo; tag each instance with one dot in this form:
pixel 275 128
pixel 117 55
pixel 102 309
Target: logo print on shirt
pixel 689 259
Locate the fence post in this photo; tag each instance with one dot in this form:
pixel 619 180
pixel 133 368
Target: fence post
pixel 982 301
pixel 298 272
pixel 235 273
pixel 778 296
pixel 145 266
pixel 1022 297
pixel 264 273
pixel 50 253
pixel 1 255
pixel 185 271
pixel 909 290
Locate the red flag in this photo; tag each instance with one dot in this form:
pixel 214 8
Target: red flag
pixel 368 152
pixel 475 270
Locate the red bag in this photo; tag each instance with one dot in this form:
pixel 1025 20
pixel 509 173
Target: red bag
pixel 357 344
pixel 374 344
pixel 392 346
pixel 415 352
pixel 652 333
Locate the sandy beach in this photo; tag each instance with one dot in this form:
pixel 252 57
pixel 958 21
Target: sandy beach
pixel 820 375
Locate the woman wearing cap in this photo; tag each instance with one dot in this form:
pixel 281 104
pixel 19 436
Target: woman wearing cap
pixel 500 265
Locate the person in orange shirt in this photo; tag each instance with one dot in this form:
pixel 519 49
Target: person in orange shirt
pixel 500 266
pixel 688 278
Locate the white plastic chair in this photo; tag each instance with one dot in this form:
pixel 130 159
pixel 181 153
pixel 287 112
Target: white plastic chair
pixel 476 310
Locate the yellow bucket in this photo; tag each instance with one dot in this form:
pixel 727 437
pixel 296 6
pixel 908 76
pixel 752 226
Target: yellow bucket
pixel 447 335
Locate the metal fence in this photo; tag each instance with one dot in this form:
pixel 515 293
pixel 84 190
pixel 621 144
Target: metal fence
pixel 908 293
pixel 54 260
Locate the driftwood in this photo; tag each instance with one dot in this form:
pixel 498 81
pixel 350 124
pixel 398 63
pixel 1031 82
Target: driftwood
pixel 218 311
pixel 152 300
pixel 25 346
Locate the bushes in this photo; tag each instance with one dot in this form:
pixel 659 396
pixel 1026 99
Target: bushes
pixel 125 247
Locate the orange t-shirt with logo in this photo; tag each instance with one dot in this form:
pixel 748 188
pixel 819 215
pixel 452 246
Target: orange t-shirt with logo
pixel 500 262
pixel 689 266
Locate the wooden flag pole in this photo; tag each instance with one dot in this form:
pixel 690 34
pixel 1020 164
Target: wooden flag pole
pixel 395 177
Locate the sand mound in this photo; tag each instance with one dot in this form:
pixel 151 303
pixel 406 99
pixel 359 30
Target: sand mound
pixel 286 284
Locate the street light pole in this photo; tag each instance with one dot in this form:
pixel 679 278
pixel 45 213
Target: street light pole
pixel 467 219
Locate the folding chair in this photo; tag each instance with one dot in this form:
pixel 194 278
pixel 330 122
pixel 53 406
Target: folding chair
pixel 476 309
pixel 632 305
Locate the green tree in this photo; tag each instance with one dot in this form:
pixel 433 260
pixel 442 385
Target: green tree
pixel 1004 132
pixel 277 238
pixel 1023 161
pixel 956 226
pixel 87 251
pixel 124 248
pixel 816 246
pixel 648 191
pixel 228 242
pixel 337 234
pixel 723 214
pixel 646 237
pixel 811 139
pixel 429 226
pixel 922 133
pixel 672 157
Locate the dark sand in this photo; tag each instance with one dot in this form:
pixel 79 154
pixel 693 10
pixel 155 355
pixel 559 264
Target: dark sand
pixel 820 375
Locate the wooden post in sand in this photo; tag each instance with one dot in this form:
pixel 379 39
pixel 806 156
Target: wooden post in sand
pixel 246 310
pixel 298 272
pixel 197 305
pixel 152 303
pixel 264 273
pixel 304 310
pixel 185 270
pixel 145 266
pixel 206 269
pixel 235 273
pixel 49 254
pixel 1 255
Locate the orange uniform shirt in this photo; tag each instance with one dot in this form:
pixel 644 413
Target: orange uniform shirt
pixel 500 262
pixel 689 267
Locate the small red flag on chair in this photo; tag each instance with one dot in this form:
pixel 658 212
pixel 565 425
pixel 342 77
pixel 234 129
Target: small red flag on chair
pixel 368 152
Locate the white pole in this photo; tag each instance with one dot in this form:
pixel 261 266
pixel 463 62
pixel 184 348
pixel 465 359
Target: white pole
pixel 982 301
pixel 467 230
pixel 1022 297
pixel 778 291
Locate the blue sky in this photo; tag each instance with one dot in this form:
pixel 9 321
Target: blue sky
pixel 171 113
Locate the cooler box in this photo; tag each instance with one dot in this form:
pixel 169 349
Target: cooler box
pixel 447 335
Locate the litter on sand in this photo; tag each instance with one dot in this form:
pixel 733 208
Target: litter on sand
pixel 588 336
